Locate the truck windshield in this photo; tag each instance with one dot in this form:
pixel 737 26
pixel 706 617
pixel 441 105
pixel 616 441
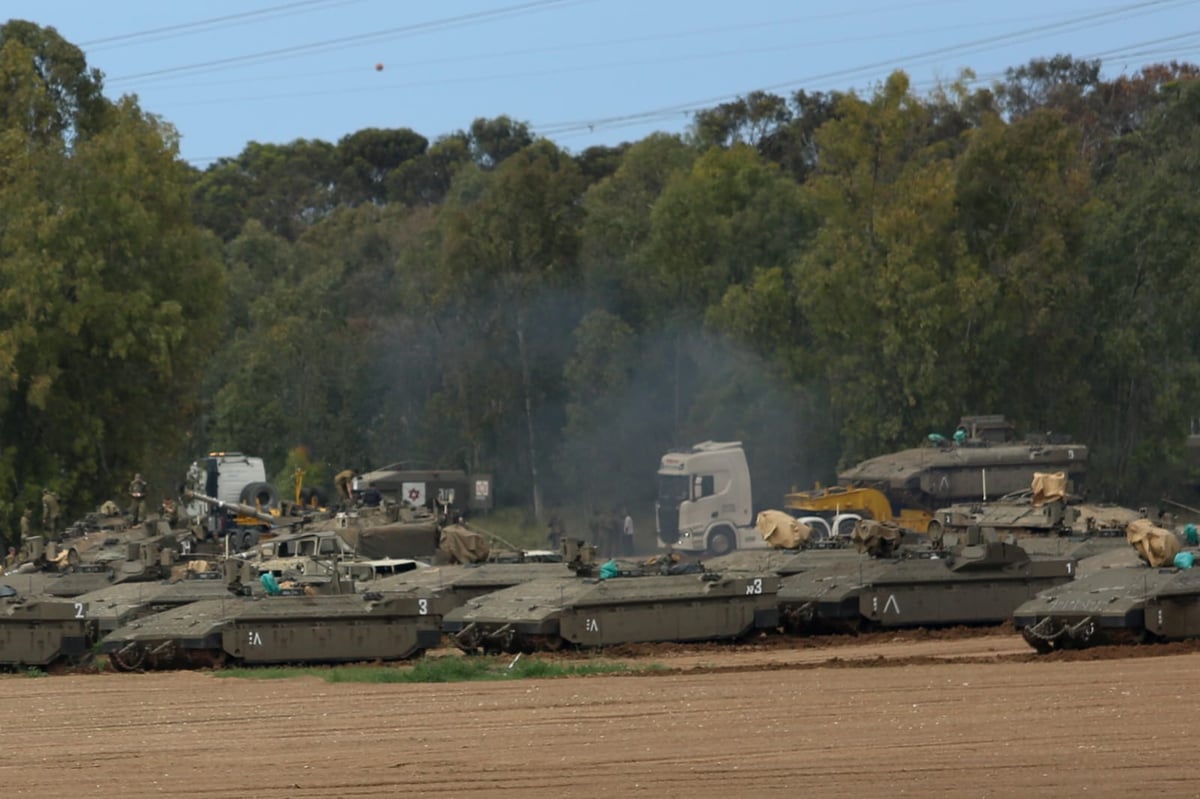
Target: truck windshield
pixel 672 488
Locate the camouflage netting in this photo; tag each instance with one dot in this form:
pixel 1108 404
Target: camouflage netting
pixel 1049 487
pixel 1156 546
pixel 876 538
pixel 781 530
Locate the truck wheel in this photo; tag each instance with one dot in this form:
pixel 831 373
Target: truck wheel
pixel 721 542
pixel 262 494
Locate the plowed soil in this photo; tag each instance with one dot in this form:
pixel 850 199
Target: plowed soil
pixel 885 715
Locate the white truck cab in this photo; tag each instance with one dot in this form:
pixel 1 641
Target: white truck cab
pixel 704 500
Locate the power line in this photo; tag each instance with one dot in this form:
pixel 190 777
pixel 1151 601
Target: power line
pixel 1075 23
pixel 607 43
pixel 204 25
pixel 349 41
pixel 514 76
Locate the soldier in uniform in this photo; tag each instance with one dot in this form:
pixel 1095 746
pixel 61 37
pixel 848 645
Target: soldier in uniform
pixel 137 496
pixel 345 485
pixel 49 512
pixel 168 511
pixel 25 525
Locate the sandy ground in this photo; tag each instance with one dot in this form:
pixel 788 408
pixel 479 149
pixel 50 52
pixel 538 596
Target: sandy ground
pixel 959 716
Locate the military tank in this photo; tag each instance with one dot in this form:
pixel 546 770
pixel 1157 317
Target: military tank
pixel 293 627
pixel 1121 605
pixel 116 605
pixel 910 586
pixel 41 631
pixel 1019 514
pixel 1156 597
pixel 662 600
pixel 982 460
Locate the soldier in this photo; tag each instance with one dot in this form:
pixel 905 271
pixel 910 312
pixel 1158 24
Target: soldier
pixel 137 496
pixel 25 524
pixel 555 533
pixel 627 534
pixel 10 560
pixel 345 485
pixel 168 512
pixel 49 512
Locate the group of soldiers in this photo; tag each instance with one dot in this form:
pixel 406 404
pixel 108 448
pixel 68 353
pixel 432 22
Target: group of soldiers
pixel 612 532
pixel 51 509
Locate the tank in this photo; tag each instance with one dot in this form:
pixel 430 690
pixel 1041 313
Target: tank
pixel 41 631
pixel 292 628
pixel 1129 604
pixel 984 461
pixel 919 586
pixel 1017 514
pixel 661 600
pixel 116 605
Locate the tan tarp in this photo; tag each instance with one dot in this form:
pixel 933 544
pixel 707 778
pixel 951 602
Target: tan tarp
pixel 1156 546
pixel 400 540
pixel 109 508
pixel 781 530
pixel 876 538
pixel 1049 487
pixel 462 545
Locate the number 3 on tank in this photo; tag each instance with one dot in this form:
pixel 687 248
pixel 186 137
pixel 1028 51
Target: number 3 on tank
pixel 754 587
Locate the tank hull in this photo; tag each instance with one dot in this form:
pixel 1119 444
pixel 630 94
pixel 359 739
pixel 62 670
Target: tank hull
pixel 593 613
pixel 272 630
pixel 1114 606
pixel 977 585
pixel 42 632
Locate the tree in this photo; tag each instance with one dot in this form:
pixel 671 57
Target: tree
pixel 886 284
pixel 512 234
pixel 1142 241
pixel 48 92
pixel 286 187
pixel 108 313
pixel 495 140
pixel 370 155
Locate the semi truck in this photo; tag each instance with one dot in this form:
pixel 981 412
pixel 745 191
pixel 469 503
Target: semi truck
pixel 222 487
pixel 705 503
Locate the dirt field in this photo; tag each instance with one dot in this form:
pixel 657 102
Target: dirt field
pixel 955 716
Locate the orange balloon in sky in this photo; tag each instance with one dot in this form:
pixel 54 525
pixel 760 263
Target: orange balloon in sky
pixel 379 67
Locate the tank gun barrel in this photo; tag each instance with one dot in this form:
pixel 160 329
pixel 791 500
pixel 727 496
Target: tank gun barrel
pixel 235 507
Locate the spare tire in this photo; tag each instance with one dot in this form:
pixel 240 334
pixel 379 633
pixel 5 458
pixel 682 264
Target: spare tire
pixel 262 495
pixel 313 498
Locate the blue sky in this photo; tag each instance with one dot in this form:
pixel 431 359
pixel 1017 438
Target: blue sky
pixel 581 72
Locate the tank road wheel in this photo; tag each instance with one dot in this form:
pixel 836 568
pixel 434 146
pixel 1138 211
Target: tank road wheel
pixel 721 542
pixel 540 643
pixel 129 658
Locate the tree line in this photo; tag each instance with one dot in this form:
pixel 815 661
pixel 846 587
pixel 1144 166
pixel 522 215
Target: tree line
pixel 824 276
